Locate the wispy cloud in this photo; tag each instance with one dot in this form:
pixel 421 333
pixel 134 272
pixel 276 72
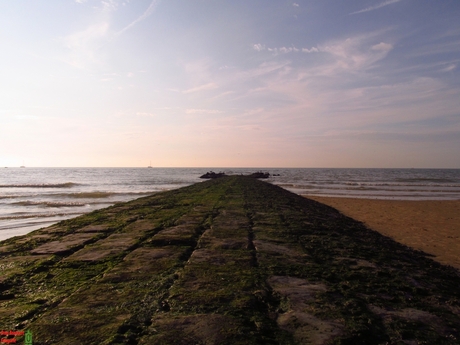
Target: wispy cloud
pixel 383 47
pixel 224 94
pixel 208 86
pixel 375 7
pixel 264 69
pixel 307 90
pixel 82 44
pixel 449 68
pixel 202 111
pixel 284 50
pixel 144 15
pixel 109 5
pixel 104 5
pixel 355 53
pixel 139 113
pixel 259 47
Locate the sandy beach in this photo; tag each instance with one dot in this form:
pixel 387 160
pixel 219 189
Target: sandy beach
pixel 430 226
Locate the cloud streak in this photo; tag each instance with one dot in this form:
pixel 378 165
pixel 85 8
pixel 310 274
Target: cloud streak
pixel 82 44
pixel 144 15
pixel 202 111
pixel 284 50
pixel 376 7
pixel 449 68
pixel 204 87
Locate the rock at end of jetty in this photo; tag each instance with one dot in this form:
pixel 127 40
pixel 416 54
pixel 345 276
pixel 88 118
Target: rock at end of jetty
pixel 212 174
pixel 260 174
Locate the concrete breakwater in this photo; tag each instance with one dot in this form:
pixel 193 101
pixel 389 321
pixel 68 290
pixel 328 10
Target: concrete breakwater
pixel 227 261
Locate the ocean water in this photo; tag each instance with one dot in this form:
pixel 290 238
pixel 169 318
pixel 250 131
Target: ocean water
pixel 31 198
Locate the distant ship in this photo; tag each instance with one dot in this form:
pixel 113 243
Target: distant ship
pixel 150 165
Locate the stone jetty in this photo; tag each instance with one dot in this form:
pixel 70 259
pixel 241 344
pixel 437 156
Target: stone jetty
pixel 232 260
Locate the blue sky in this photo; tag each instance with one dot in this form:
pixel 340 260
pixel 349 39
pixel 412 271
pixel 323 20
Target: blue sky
pixel 230 83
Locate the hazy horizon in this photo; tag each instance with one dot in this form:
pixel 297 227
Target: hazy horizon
pixel 219 167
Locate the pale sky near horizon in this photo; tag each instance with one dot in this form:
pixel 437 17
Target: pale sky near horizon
pixel 230 83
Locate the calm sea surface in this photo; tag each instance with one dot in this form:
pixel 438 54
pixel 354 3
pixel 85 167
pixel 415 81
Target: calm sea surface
pixel 31 198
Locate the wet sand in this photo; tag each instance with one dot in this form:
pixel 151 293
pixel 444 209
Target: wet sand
pixel 430 226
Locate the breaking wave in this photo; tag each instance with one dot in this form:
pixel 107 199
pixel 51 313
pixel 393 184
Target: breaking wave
pixel 88 195
pixel 8 196
pixel 424 179
pixel 49 203
pixel 100 195
pixel 40 185
pixel 44 215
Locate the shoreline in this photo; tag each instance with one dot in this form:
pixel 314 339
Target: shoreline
pixel 432 226
pixel 37 195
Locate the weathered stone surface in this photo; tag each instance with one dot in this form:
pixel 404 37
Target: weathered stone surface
pixel 228 261
pixel 101 228
pixel 63 244
pixel 112 245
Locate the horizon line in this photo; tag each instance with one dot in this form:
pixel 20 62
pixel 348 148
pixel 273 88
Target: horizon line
pixel 215 167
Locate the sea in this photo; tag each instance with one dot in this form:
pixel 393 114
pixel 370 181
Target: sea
pixel 32 198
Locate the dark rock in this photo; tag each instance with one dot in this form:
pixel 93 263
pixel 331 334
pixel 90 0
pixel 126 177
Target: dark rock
pixel 212 174
pixel 260 174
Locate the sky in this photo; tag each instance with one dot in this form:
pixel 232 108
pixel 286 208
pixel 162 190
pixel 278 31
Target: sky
pixel 230 83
